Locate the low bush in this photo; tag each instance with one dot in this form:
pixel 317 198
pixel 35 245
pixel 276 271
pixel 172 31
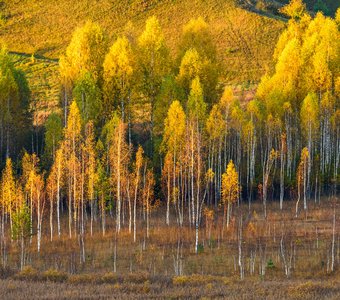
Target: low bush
pixel 83 278
pixel 54 275
pixel 109 278
pixel 136 278
pixel 5 272
pixel 28 273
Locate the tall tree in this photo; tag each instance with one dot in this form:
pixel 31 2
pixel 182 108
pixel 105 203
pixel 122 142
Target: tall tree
pixel 8 190
pixel 230 190
pixel 84 57
pixel 197 41
pixel 267 168
pixel 172 144
pixel 197 34
pixel 53 135
pixel 21 228
pixel 14 103
pixel 118 78
pixel 119 156
pixel 215 127
pixel 138 166
pixel 90 168
pixel 301 175
pixel 309 115
pixel 29 173
pixel 38 201
pixel 148 194
pixel 72 155
pixel 153 62
pixel 87 94
pixel 195 125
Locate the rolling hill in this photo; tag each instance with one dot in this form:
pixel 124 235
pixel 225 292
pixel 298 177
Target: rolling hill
pixel 245 38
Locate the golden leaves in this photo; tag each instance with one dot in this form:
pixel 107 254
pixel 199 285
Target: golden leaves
pixel 174 127
pixel 230 184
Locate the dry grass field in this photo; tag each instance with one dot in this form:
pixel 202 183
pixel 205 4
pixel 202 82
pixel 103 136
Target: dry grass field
pixel 165 266
pixel 164 288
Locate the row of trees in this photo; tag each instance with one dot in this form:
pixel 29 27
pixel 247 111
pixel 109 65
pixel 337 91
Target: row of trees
pixel 15 116
pixel 204 148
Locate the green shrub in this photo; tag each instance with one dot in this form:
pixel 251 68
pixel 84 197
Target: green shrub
pixel 270 264
pixel 200 248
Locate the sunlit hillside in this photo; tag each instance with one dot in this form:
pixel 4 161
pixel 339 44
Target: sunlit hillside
pixel 44 28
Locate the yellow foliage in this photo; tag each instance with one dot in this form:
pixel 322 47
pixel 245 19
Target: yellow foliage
pixel 226 100
pixel 309 115
pixel 208 213
pixel 196 105
pixel 152 39
pixel 210 175
pixel 118 66
pixel 174 127
pixel 85 53
pixel 306 57
pixel 230 184
pixel 295 9
pixel 191 66
pixel 215 123
pixel 73 128
pixel 196 34
pixel 8 190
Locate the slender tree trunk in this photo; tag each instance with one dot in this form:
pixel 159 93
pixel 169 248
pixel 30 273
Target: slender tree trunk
pixel 103 214
pixel 58 204
pixel 118 180
pixel 333 242
pixel 51 216
pixel 70 210
pixel 228 214
pixel 91 216
pixel 38 224
pixel 168 199
pixel 135 205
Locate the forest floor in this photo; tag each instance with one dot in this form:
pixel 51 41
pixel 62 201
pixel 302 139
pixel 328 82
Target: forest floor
pixel 160 288
pixel 165 265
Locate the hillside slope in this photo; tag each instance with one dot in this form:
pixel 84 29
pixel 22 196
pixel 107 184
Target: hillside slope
pixel 45 27
pixel 245 40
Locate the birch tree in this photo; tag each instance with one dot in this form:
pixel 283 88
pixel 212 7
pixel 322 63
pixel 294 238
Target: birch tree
pixel 119 68
pixel 84 55
pixel 172 144
pixel 138 166
pixel 301 175
pixel 72 151
pixel 119 156
pixel 230 190
pixel 152 62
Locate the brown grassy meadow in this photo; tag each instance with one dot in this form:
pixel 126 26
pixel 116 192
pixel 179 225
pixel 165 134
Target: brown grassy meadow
pixel 165 265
